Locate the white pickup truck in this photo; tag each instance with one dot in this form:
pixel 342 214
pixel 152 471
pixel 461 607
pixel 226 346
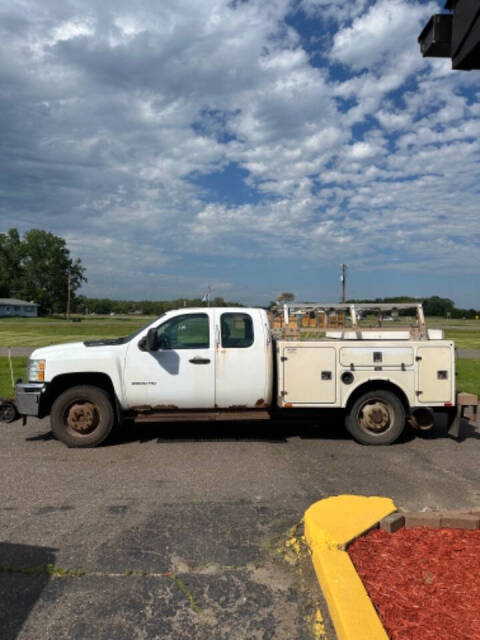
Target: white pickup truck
pixel 222 363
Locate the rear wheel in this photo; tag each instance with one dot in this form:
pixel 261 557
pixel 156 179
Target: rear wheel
pixel 377 417
pixel 82 416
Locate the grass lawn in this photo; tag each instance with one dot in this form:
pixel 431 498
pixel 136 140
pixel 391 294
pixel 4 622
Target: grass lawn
pixel 19 371
pixel 465 333
pixel 464 338
pixel 41 332
pixel 468 375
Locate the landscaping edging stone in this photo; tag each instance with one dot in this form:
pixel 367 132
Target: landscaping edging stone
pixel 432 519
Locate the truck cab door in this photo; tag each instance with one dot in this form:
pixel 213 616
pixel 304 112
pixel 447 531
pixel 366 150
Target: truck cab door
pixel 241 376
pixel 181 373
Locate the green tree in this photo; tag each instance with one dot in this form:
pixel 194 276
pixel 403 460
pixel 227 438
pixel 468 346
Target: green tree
pixel 285 297
pixel 11 253
pixel 44 268
pixel 436 306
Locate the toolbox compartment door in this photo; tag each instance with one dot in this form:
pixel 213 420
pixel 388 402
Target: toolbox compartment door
pixel 376 355
pixel 435 372
pixel 309 375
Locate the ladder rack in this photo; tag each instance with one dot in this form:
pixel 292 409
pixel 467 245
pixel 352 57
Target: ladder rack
pixel 354 311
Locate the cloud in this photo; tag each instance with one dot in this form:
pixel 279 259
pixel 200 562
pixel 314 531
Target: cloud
pixel 168 140
pixel 334 10
pixel 387 29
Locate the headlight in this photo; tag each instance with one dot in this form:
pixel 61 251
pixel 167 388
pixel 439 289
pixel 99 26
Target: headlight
pixel 36 371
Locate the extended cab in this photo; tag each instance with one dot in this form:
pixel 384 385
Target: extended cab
pixel 223 363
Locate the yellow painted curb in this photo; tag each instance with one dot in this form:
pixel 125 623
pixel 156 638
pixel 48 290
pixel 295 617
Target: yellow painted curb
pixel 330 525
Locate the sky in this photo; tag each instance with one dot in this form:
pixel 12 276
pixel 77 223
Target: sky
pixel 252 146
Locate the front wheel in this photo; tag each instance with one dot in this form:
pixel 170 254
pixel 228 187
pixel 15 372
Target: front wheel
pixel 377 417
pixel 8 411
pixel 82 416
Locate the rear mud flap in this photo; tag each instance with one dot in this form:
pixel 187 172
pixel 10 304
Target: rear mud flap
pixel 455 428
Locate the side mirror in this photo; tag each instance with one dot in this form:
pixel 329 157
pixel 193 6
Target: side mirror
pixel 163 342
pixel 152 340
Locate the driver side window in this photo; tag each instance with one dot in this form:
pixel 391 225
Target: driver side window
pixel 189 331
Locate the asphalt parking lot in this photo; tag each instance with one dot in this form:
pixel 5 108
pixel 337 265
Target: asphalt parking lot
pixel 188 531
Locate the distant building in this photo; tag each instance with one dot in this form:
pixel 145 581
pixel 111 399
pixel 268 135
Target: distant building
pixel 13 307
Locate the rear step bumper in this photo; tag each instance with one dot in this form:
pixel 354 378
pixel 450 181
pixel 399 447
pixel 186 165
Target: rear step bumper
pixel 464 401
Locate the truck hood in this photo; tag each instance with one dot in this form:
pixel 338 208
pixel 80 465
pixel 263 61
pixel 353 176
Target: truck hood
pixel 75 349
pixel 77 357
pixel 56 350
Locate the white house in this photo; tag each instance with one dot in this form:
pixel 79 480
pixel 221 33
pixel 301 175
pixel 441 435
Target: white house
pixel 13 307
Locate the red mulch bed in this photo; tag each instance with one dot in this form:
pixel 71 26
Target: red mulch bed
pixel 424 583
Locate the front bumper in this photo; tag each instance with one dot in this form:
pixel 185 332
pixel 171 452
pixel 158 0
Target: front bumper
pixel 28 397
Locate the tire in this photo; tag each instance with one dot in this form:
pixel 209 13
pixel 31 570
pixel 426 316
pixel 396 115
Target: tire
pixel 377 417
pixel 82 416
pixel 8 412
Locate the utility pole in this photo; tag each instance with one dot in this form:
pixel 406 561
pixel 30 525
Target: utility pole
pixel 68 296
pixel 343 279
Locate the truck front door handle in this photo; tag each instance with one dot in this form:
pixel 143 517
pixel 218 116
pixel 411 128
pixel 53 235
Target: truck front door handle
pixel 198 360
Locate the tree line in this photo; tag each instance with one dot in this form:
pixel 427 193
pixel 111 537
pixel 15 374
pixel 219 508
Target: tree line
pixel 37 268
pixel 432 306
pixel 105 306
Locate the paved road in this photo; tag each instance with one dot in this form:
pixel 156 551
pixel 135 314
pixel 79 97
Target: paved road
pixel 182 530
pixel 471 354
pixel 16 351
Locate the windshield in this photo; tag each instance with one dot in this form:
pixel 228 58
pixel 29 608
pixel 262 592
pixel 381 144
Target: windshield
pixel 139 331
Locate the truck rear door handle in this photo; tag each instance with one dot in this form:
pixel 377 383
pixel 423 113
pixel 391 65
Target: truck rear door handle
pixel 198 360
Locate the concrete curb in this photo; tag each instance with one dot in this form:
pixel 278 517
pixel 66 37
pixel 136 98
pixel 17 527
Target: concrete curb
pixel 330 525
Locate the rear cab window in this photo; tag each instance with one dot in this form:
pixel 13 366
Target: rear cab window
pixel 236 330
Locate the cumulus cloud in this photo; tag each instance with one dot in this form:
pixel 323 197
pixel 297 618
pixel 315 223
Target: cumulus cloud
pixel 334 10
pixel 167 140
pixel 385 30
